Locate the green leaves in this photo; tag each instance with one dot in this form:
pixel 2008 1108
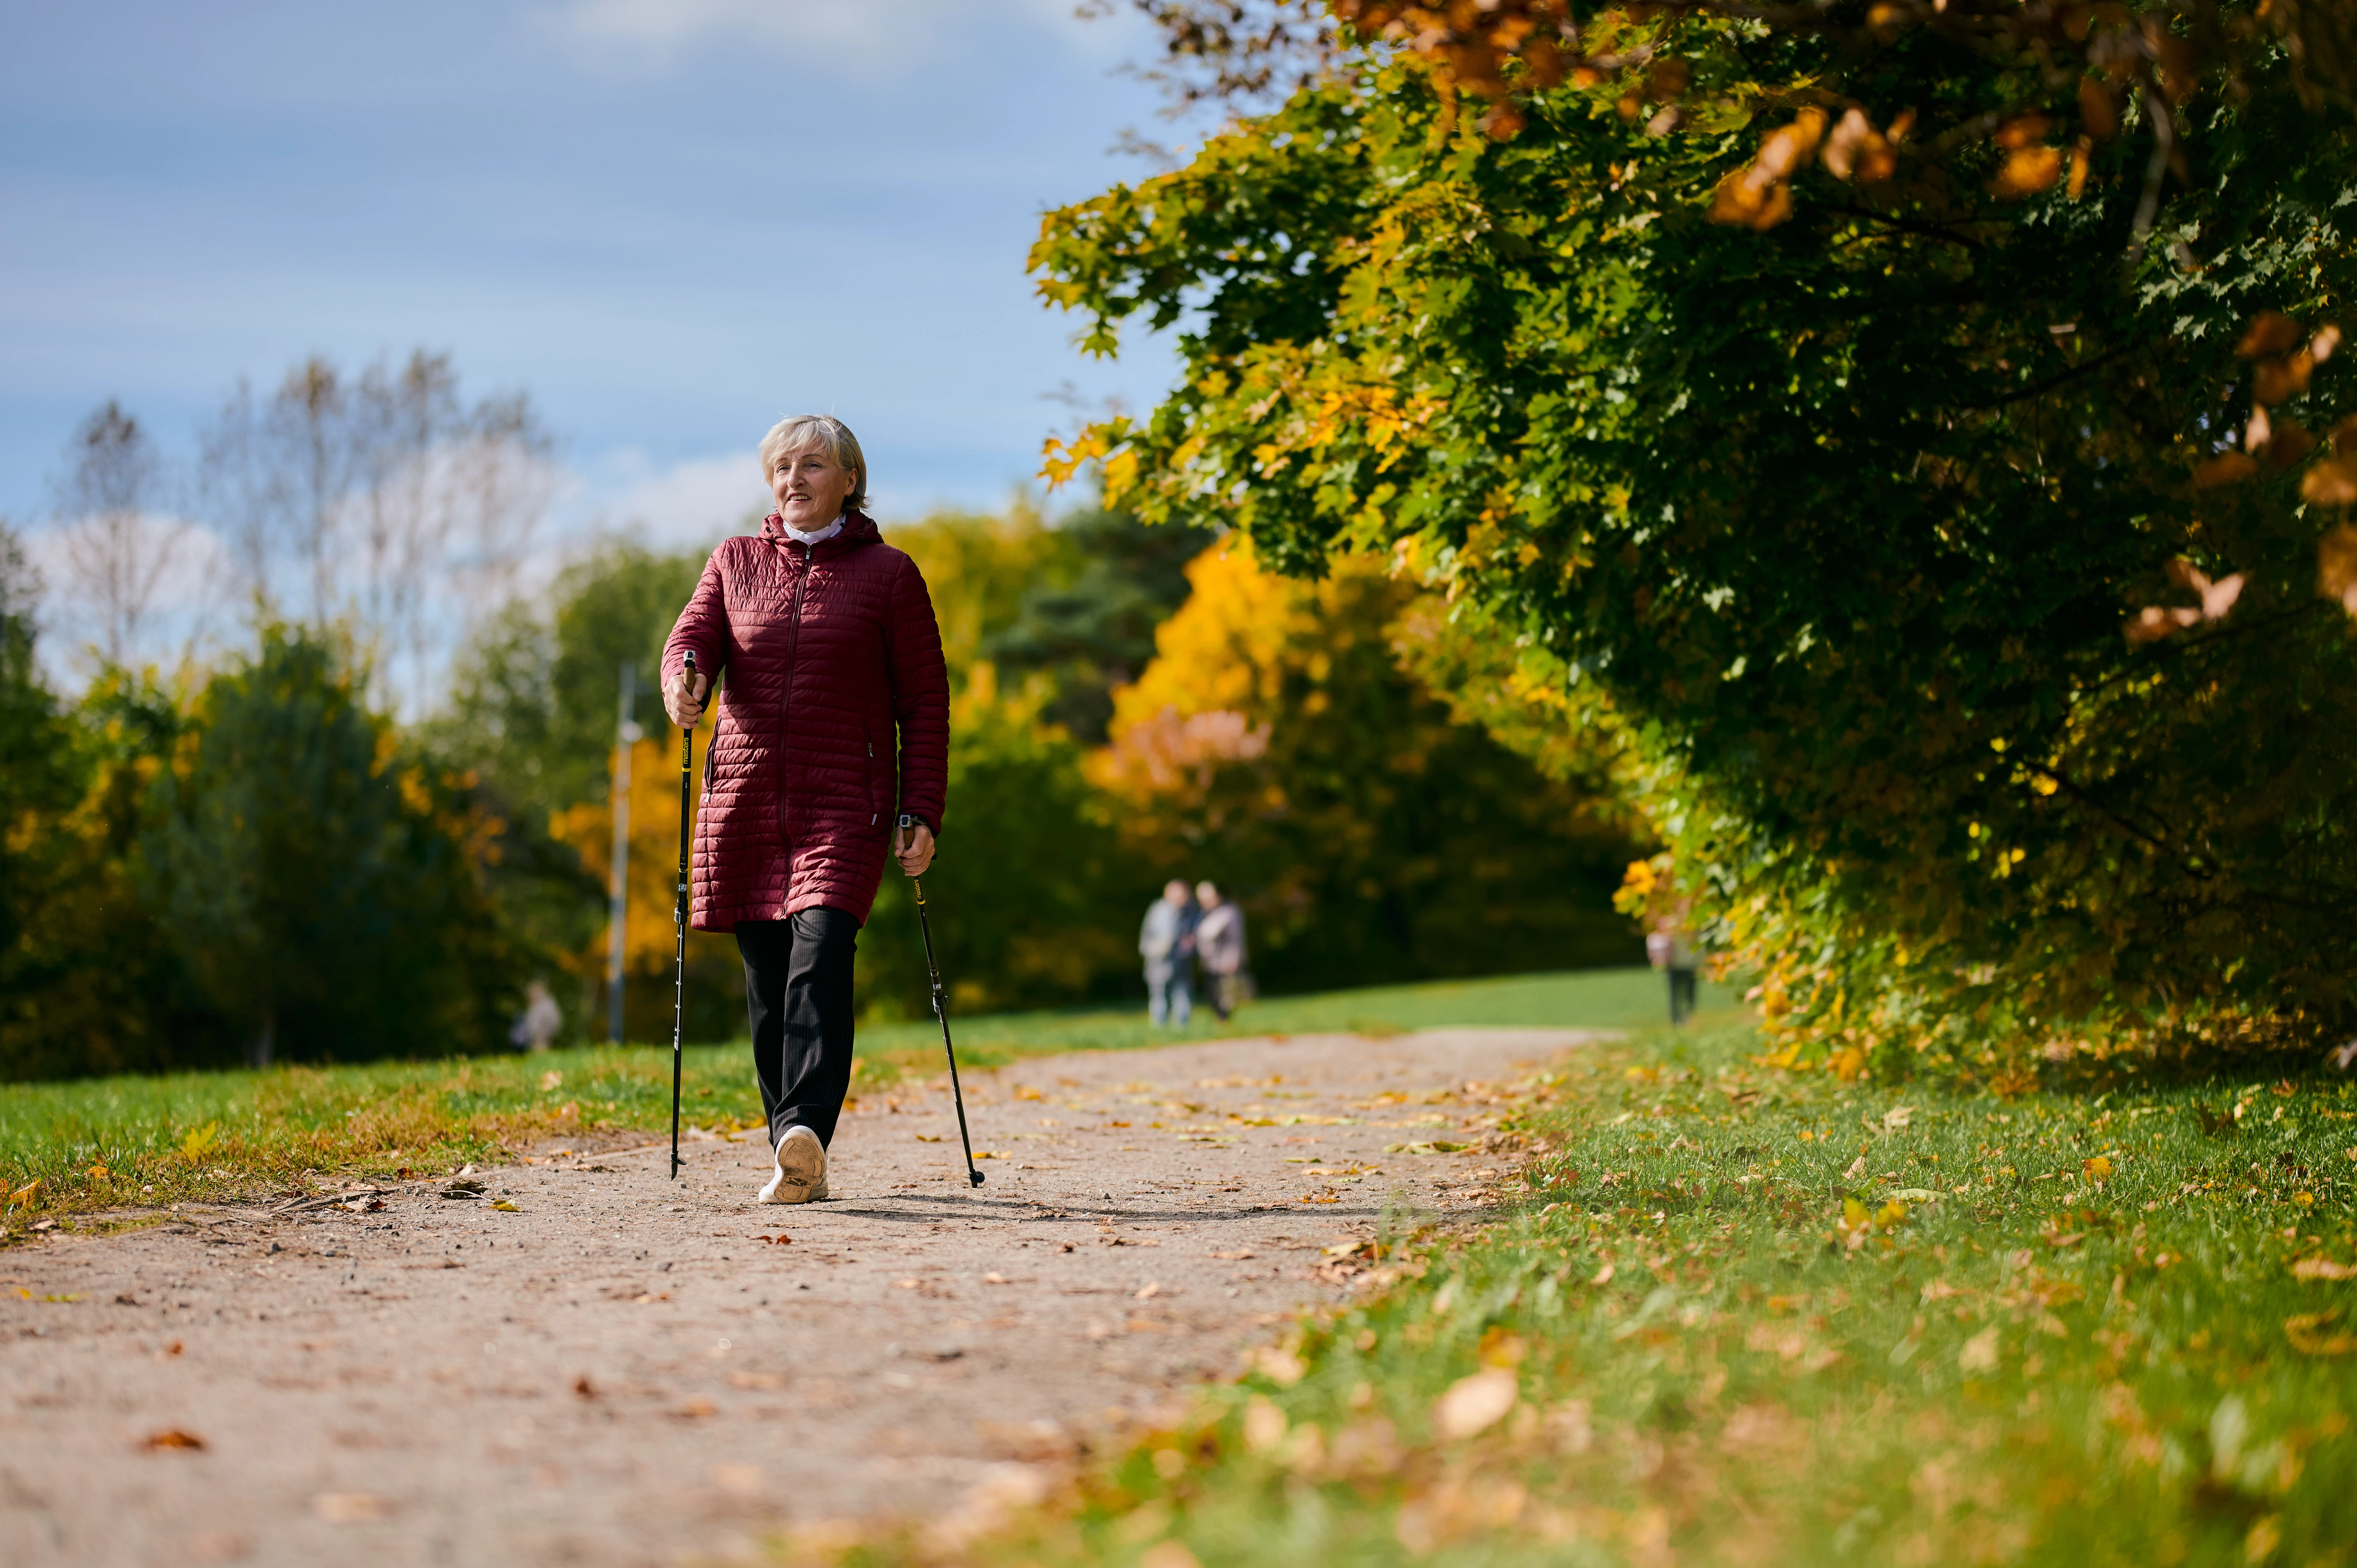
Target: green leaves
pixel 1813 512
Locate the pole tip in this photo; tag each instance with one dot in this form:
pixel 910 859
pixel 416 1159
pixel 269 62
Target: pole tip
pixel 975 1176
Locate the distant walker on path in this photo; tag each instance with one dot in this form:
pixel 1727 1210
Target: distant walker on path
pixel 835 720
pixel 1166 943
pixel 1667 947
pixel 1220 948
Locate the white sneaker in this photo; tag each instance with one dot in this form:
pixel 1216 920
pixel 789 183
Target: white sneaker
pixel 801 1169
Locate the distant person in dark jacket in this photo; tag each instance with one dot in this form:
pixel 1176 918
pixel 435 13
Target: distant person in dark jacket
pixel 835 720
pixel 1668 947
pixel 1220 948
pixel 1166 943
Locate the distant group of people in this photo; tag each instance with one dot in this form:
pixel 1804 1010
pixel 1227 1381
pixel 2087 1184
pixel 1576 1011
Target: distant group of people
pixel 1184 930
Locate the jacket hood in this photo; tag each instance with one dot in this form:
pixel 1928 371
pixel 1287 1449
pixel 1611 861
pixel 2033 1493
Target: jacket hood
pixel 858 529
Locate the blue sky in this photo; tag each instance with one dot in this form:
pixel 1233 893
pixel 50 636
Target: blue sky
pixel 669 220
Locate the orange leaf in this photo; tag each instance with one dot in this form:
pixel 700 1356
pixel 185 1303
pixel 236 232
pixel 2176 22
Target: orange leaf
pixel 2028 171
pixel 2275 380
pixel 2225 468
pixel 2270 332
pixel 2025 131
pixel 2332 482
pixel 2096 110
pixel 2336 574
pixel 2289 445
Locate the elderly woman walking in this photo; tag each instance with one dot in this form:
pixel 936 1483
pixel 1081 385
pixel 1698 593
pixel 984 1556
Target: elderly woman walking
pixel 833 723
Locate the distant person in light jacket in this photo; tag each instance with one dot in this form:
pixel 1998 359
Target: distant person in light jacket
pixel 1166 943
pixel 1220 948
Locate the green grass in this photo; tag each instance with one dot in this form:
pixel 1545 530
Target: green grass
pixel 1713 1330
pixel 150 1140
pixel 1604 999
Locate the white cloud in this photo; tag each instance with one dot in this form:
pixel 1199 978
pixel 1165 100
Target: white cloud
pixel 690 504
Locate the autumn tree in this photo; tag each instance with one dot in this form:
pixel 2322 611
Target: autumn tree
pixel 1830 395
pixel 1277 746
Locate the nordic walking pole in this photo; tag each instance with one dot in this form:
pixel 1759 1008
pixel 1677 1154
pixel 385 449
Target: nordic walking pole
pixel 679 914
pixel 941 1010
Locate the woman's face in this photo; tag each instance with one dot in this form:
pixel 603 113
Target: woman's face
pixel 810 487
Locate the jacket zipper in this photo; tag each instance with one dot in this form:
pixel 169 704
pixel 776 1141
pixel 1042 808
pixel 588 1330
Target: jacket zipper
pixel 874 816
pixel 786 701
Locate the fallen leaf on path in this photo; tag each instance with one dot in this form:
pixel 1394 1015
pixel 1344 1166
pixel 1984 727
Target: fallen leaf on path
pixel 929 1137
pixel 1230 1257
pixel 1148 1290
pixel 743 1480
pixel 584 1388
pixel 348 1508
pixel 504 1207
pixel 1476 1402
pixel 695 1409
pixel 993 1278
pixel 173 1437
pixel 757 1380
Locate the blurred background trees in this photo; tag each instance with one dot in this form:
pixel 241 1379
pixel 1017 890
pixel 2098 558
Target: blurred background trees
pixel 361 823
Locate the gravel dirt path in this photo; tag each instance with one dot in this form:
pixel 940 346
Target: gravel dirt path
pixel 623 1369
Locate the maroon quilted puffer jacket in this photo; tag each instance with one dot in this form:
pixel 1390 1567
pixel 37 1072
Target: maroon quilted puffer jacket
pixel 827 650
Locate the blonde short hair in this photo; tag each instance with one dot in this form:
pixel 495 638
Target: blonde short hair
pixel 800 432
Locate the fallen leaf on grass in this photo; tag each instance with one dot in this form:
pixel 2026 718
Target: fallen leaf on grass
pixel 1281 1367
pixel 1856 1167
pixel 2303 1332
pixel 1980 1352
pixel 1476 1402
pixel 1898 1116
pixel 2097 1169
pixel 2323 1269
pixel 173 1437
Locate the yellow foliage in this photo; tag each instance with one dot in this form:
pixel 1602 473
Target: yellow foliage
pixel 588 828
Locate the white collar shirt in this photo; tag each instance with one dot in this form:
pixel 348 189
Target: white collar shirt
pixel 807 540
